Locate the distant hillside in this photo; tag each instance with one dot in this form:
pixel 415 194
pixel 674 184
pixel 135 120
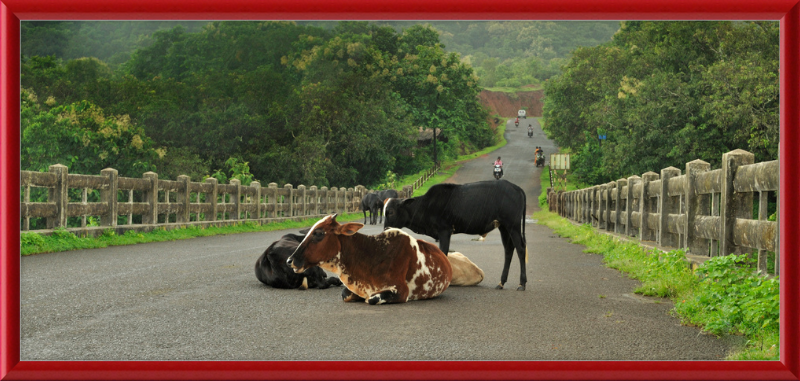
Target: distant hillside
pixel 508 104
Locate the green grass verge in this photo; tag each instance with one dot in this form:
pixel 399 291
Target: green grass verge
pixel 722 297
pixel 63 240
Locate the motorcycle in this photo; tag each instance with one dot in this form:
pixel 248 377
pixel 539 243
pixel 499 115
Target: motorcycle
pixel 539 159
pixel 530 132
pixel 498 172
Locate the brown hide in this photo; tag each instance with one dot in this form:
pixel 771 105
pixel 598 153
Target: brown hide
pixel 390 261
pixel 465 272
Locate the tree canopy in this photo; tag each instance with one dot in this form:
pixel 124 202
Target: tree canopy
pixel 295 103
pixel 665 93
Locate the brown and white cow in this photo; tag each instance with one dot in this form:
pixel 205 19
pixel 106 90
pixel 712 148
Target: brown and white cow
pixel 391 267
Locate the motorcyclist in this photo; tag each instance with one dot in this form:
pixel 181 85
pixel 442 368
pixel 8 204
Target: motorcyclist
pixel 516 122
pixel 530 130
pixel 500 163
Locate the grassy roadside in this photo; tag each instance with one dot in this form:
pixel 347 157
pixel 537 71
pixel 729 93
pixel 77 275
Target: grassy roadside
pixel 722 297
pixel 62 240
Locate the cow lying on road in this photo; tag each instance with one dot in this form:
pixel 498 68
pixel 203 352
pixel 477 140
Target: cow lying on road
pixel 475 208
pixel 391 267
pixel 465 272
pixel 271 268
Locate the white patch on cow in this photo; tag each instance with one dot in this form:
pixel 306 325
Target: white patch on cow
pixel 304 286
pixel 386 205
pixel 422 270
pixel 312 229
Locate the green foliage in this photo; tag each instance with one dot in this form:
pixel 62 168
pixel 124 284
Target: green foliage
pixel 732 299
pixel 83 137
pixel 294 102
pixel 666 93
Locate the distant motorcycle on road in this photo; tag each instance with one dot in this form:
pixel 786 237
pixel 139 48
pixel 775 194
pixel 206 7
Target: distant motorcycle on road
pixel 530 132
pixel 498 171
pixel 540 159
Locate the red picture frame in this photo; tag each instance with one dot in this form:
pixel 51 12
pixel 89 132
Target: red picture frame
pixel 13 11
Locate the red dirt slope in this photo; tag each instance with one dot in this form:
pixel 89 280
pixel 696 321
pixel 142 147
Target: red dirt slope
pixel 507 104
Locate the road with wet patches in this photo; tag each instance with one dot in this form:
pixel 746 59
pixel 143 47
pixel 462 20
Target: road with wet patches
pixel 199 299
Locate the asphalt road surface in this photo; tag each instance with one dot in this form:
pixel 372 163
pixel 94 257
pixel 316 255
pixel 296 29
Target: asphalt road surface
pixel 199 299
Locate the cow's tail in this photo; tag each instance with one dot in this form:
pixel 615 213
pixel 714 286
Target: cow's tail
pixel 524 214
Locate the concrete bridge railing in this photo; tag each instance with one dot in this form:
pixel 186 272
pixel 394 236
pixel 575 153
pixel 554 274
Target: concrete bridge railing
pixel 706 212
pixel 158 199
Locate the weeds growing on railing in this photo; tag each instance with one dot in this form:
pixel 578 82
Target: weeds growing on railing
pixel 723 296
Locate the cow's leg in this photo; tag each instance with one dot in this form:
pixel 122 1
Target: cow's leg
pixel 444 240
pixel 400 295
pixel 520 247
pixel 365 216
pixel 508 246
pixel 349 296
pixel 384 297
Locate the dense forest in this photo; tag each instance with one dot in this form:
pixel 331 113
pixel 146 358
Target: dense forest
pixel 666 93
pixel 274 101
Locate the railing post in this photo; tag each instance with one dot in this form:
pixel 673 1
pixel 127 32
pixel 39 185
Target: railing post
pixel 289 201
pixel 645 207
pixel 272 199
pixel 666 206
pixel 314 193
pixel 212 198
pixel 733 205
pixel 349 196
pixel 629 229
pixel 601 206
pixel 256 199
pixel 609 200
pixel 183 199
pixel 236 195
pixel 151 197
pixel 618 219
pixel 108 196
pixel 696 204
pixel 58 195
pixel 325 209
pixel 301 196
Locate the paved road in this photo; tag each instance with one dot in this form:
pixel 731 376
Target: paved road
pixel 199 299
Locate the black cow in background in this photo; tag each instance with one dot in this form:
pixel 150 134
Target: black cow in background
pixel 474 208
pixel 272 270
pixel 370 202
pixel 383 196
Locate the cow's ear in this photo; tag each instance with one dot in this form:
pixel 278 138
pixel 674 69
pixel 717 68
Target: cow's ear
pixel 305 231
pixel 407 201
pixel 349 228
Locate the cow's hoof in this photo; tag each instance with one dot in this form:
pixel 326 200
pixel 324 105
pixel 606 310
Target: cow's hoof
pixel 304 286
pixel 521 287
pixel 376 299
pixel 499 287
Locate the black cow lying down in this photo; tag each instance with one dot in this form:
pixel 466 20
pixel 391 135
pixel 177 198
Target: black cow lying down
pixel 272 270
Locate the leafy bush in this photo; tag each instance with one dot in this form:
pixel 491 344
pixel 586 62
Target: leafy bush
pixel 731 298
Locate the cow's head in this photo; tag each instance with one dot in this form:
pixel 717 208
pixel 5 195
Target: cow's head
pixel 396 213
pixel 321 243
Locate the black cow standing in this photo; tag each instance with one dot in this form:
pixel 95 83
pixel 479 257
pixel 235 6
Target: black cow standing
pixel 272 270
pixel 371 202
pixel 474 208
pixel 382 196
